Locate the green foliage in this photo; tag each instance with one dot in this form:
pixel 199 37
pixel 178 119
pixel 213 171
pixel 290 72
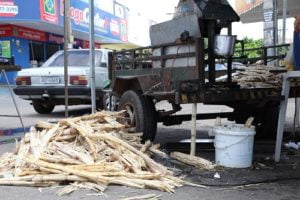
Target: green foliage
pixel 250 44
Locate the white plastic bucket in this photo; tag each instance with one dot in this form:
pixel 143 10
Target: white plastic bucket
pixel 234 145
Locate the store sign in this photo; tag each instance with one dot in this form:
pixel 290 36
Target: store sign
pixel 5 31
pixel 5 49
pixel 242 6
pixel 106 24
pixel 29 34
pixel 8 8
pixel 17 31
pixel 49 11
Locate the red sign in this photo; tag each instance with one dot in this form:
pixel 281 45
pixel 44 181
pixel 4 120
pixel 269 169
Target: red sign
pixel 49 11
pixel 5 31
pixel 17 31
pixel 8 8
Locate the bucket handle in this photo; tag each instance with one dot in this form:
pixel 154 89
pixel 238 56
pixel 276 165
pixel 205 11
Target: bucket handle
pixel 225 147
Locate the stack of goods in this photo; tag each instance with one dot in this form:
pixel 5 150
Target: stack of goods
pixel 259 77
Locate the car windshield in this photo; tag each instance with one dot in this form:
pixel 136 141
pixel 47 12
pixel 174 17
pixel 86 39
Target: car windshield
pixel 75 58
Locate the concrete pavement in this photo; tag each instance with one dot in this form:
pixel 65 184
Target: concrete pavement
pixel 287 171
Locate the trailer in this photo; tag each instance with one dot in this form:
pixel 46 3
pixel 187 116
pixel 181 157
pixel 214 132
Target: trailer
pixel 184 72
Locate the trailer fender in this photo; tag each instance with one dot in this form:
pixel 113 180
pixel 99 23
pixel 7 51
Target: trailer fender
pixel 137 83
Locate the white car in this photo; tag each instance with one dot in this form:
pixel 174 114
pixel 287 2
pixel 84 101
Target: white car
pixel 44 86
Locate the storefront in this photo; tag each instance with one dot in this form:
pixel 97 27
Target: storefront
pixel 31 32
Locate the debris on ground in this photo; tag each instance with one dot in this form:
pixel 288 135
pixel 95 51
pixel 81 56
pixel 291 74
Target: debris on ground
pixel 217 176
pixel 90 152
pixel 144 197
pixel 198 162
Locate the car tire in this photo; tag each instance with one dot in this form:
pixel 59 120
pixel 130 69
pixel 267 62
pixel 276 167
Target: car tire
pixel 141 113
pixel 42 107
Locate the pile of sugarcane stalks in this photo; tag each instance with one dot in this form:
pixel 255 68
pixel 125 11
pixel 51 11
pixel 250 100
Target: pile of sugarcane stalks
pixel 259 77
pixel 91 151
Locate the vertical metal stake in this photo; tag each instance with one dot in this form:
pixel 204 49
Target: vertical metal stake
pixel 66 44
pixel 193 131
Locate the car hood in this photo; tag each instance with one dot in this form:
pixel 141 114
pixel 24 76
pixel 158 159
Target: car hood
pixel 52 71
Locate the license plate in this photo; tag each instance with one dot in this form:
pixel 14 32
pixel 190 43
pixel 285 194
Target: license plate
pixel 49 79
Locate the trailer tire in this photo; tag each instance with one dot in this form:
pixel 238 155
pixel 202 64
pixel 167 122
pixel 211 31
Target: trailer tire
pixel 141 113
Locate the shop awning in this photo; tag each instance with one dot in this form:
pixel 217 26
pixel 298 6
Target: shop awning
pixel 255 14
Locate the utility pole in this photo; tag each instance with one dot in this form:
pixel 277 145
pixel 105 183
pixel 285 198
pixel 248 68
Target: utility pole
pixel 92 57
pixel 284 15
pixel 67 36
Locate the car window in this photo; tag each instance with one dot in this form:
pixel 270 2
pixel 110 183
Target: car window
pixel 75 58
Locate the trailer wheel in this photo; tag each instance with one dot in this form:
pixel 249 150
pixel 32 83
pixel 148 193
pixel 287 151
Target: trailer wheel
pixel 141 113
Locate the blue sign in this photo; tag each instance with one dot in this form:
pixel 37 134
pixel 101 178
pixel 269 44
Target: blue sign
pixel 107 25
pixel 19 10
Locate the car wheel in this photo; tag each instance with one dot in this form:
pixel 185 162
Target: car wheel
pixel 141 113
pixel 42 107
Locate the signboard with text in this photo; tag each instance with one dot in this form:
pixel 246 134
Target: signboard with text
pixel 27 33
pixel 106 24
pixel 8 8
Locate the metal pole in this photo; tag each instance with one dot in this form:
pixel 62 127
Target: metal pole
pixel 284 12
pixel 66 43
pixel 194 128
pixel 276 29
pixel 92 57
